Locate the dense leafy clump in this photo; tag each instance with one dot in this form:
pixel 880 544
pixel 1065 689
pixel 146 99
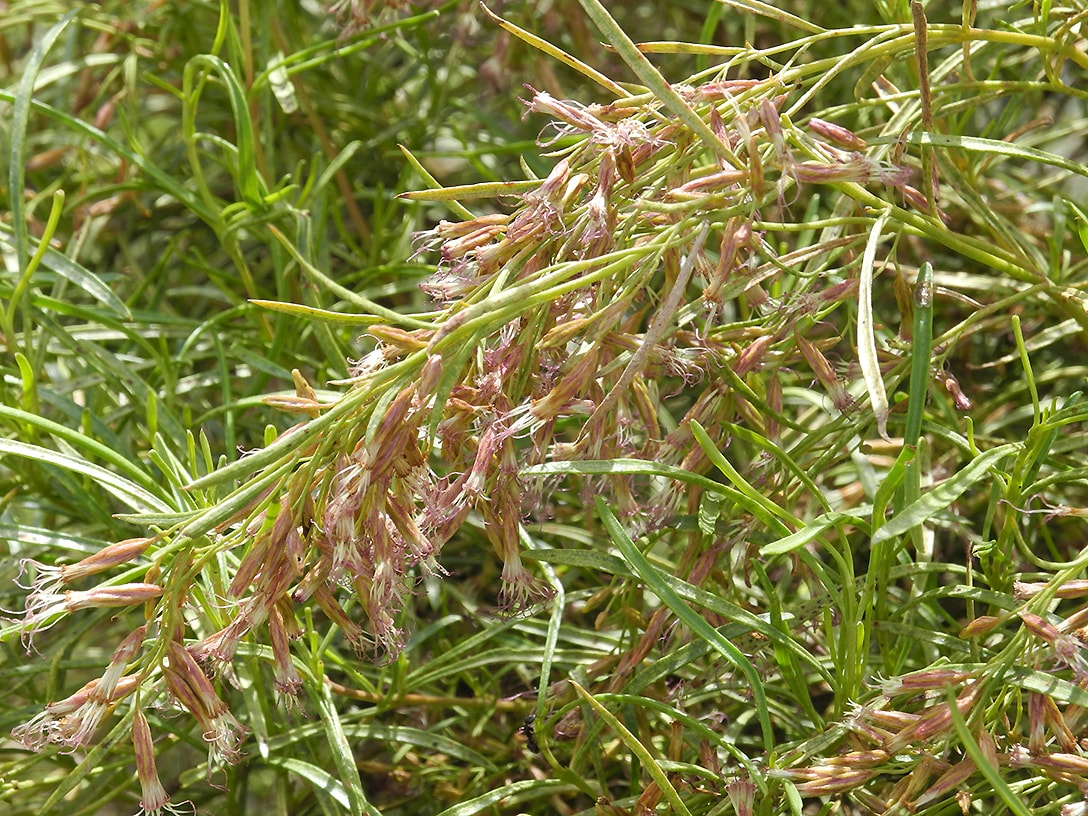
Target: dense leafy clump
pixel 725 462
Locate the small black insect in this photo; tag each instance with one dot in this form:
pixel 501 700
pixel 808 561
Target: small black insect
pixel 529 733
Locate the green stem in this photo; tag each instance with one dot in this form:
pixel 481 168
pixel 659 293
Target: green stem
pixel 653 80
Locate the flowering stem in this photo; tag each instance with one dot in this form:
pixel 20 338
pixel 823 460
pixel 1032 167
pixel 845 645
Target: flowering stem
pixel 653 80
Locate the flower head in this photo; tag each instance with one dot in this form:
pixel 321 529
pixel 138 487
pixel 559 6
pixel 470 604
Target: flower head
pixel 154 800
pixel 44 609
pixel 287 679
pixel 71 722
pixel 742 793
pixel 192 688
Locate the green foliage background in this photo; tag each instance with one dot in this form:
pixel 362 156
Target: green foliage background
pixel 217 189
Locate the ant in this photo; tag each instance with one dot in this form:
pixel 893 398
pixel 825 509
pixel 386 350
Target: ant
pixel 529 733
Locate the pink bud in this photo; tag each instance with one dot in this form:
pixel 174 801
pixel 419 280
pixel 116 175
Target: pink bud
pixel 837 134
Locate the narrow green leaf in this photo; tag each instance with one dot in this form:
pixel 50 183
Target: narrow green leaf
pixel 622 467
pixel 557 53
pixel 250 184
pixel 164 182
pixel 389 315
pixel 320 779
pixel 283 447
pixel 941 496
pixel 997 147
pixel 29 383
pixel 774 12
pixel 921 353
pixel 1082 226
pixel 687 615
pixel 744 623
pixel 342 755
pixel 487 189
pixel 555 626
pixel 993 774
pixel 90 446
pixel 429 740
pixel 507 795
pixel 228 507
pixel 653 80
pixel 810 532
pixel 638 749
pixel 31 266
pixel 765 444
pixel 761 506
pixel 1042 682
pixel 455 206
pixel 1029 374
pixel 20 126
pixel 133 495
pixel 313 313
pixel 97 756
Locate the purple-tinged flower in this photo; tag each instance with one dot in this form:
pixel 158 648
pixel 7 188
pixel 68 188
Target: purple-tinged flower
pixel 50 577
pixel 154 800
pixel 72 721
pixel 573 113
pixel 542 208
pixel 771 120
pixel 458 248
pixel 1068 650
pixel 825 373
pixel 742 794
pixel 561 397
pixel 383 589
pixel 918 201
pixel 192 688
pixel 951 779
pixel 1070 589
pixel 420 549
pixel 711 183
pixel 367 365
pixel 352 632
pixel 857 169
pixel 981 625
pixel 600 220
pixel 936 721
pixel 447 230
pixel 574 187
pixel 1062 763
pixel 216 652
pixel 837 134
pixel 751 359
pixel 44 609
pixel 287 679
pixel 927 680
pixel 828 780
pixel 736 237
pixel 1036 723
pixel 726 88
pixel 251 566
pixel 47 600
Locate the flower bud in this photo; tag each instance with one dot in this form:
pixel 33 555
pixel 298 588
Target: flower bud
pixel 836 133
